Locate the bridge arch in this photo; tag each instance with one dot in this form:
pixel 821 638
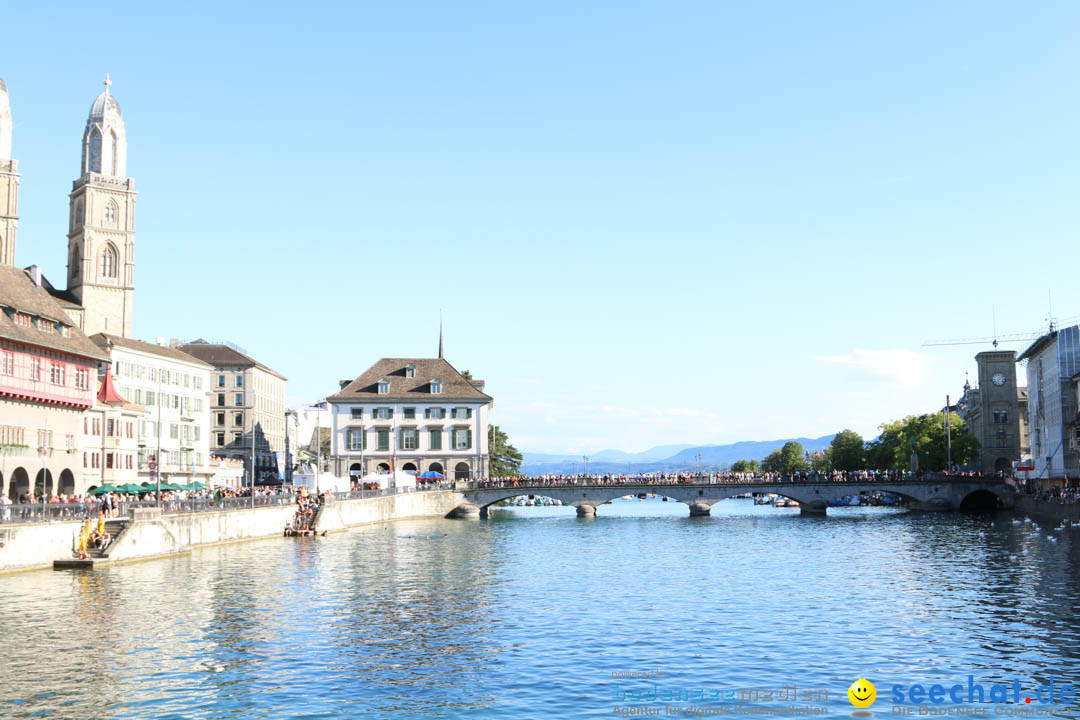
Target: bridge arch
pixel 980 500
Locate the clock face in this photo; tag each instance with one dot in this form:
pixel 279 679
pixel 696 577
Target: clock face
pixel 997 379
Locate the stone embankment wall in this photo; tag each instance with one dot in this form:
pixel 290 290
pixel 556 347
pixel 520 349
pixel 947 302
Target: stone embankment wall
pixel 1047 510
pixel 151 535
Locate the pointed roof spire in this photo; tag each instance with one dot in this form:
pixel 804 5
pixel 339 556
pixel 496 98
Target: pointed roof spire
pixel 108 82
pixel 107 392
pixel 440 334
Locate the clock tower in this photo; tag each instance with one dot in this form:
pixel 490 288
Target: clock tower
pixel 994 414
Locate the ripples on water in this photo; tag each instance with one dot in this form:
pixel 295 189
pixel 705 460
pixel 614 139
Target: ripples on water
pixel 526 615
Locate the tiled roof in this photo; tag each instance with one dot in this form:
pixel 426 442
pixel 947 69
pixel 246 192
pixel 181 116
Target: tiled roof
pixel 415 389
pixel 225 356
pixel 103 340
pixel 18 291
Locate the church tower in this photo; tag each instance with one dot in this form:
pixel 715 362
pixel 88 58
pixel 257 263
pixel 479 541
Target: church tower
pixel 9 183
pixel 101 235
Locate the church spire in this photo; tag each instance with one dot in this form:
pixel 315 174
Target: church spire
pixel 440 334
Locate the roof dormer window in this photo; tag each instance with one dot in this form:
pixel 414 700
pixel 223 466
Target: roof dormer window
pixel 410 371
pixel 384 387
pixel 436 386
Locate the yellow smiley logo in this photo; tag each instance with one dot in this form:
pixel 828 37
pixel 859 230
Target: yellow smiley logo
pixel 862 693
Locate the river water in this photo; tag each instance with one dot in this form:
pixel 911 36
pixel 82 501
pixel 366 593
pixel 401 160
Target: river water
pixel 535 613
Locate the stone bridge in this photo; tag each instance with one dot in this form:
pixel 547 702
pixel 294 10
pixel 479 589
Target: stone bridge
pixel 933 492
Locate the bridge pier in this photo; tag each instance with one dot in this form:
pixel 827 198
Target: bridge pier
pixel 586 510
pixel 807 509
pixel 465 510
pixel 700 509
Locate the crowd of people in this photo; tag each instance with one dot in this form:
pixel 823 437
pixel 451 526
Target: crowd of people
pixel 91 534
pixel 307 512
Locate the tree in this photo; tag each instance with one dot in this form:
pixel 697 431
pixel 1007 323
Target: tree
pixel 789 459
pixel 848 451
pixel 892 449
pixel 821 460
pixel 466 374
pixel 746 466
pixel 505 459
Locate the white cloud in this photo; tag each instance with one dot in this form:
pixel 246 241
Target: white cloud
pixel 897 367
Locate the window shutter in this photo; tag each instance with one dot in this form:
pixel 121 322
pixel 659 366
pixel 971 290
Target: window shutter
pixel 468 439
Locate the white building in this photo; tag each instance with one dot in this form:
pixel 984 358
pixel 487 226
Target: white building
pixel 1052 362
pixel 110 437
pixel 172 386
pixel 410 414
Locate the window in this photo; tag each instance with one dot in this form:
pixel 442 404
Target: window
pixel 238 439
pixel 221 399
pixel 221 439
pixel 238 418
pixel 108 460
pixel 7 363
pixel 56 373
pixel 110 428
pixel 384 387
pixel 435 413
pixel 1001 416
pixel 110 213
pixel 82 378
pixel 151 397
pixel 240 380
pixel 239 400
pixel 409 413
pixel 174 431
pixel 108 262
pixel 356 439
pixel 383 413
pixel 35 369
pixel 408 439
pixel 462 439
pixel 221 418
pixel 356 413
pixel 461 413
pixel 436 439
pixel 436 387
pixel 383 439
pixel 221 381
pixel 410 371
pixel 196 382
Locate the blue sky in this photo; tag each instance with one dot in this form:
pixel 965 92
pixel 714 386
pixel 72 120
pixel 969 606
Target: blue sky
pixel 646 223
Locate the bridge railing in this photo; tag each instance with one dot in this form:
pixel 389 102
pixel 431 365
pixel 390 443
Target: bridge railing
pixel 532 483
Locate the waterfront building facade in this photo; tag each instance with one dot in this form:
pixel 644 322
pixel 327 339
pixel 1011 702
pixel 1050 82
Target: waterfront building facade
pixel 995 413
pixel 1052 362
pixel 173 437
pixel 247 406
pixel 110 437
pixel 48 380
pixel 410 414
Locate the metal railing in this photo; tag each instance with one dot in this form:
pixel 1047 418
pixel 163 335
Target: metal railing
pixel 72 512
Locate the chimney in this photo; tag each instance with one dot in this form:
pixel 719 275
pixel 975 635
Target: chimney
pixel 160 341
pixel 35 274
pixel 343 383
pixel 174 343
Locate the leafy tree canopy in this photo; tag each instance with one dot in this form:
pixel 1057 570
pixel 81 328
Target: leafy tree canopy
pixel 848 451
pixel 505 459
pixel 892 450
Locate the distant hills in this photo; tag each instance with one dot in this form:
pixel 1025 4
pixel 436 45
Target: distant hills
pixel 664 458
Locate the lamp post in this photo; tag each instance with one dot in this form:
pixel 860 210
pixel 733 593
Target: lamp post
pixel 585 470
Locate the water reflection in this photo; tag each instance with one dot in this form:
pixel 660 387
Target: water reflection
pixel 528 613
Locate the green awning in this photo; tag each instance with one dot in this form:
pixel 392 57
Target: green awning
pixel 104 489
